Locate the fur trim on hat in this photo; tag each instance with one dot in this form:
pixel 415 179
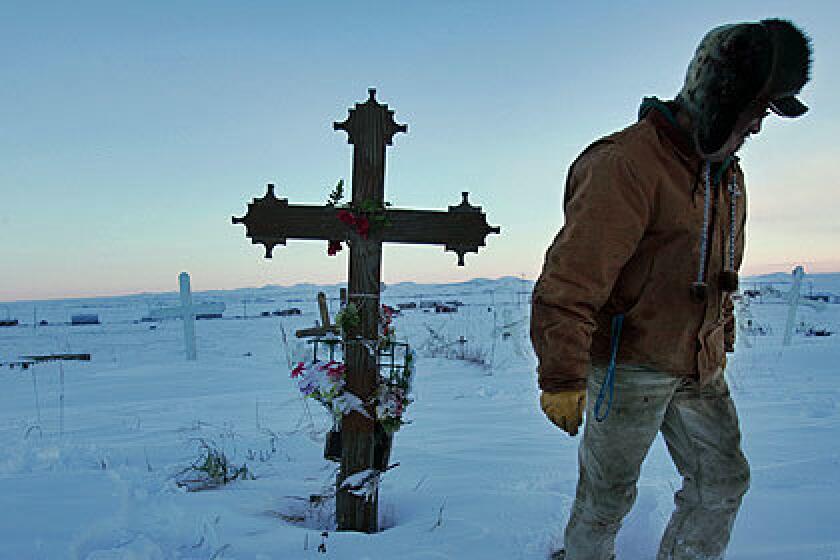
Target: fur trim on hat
pixel 734 66
pixel 792 58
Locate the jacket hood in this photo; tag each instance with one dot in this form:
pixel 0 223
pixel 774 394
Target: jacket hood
pixel 741 68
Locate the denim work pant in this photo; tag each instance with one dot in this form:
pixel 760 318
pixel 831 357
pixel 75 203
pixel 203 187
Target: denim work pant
pixel 700 427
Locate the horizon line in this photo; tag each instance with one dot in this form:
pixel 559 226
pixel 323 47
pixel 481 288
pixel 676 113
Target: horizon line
pixel 331 284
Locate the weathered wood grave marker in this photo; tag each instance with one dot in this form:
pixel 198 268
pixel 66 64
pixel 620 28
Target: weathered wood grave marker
pixel 326 326
pixel 370 127
pixel 325 332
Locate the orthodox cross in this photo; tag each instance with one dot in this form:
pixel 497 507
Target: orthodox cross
pixel 370 127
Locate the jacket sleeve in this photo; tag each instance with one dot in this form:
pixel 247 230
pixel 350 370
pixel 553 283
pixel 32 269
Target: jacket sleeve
pixel 607 210
pixel 729 329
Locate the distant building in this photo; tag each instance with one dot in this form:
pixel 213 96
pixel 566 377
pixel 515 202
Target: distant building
pixel 211 310
pixel 407 305
pixel 286 312
pixel 85 319
pixel 208 316
pixel 827 297
pixel 443 308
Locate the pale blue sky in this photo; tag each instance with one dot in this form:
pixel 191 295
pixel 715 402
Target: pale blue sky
pixel 130 132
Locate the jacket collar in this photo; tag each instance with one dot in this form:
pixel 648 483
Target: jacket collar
pixel 662 115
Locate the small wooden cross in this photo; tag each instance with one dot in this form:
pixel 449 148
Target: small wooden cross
pixel 370 127
pixel 326 326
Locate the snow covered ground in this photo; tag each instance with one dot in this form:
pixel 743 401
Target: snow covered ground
pixel 482 473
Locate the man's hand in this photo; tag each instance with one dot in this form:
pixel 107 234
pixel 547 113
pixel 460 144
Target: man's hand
pixel 564 409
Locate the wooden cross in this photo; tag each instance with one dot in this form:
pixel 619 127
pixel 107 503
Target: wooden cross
pixel 370 127
pixel 326 326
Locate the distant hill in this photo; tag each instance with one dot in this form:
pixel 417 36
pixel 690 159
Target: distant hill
pixel 305 291
pixel 824 282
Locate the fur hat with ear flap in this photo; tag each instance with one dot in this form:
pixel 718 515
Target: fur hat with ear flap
pixel 740 68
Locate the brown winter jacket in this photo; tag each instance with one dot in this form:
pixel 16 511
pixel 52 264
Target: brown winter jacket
pixel 631 244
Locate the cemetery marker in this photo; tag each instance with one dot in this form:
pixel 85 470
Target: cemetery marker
pixel 188 314
pixel 370 127
pixel 326 327
pixel 794 297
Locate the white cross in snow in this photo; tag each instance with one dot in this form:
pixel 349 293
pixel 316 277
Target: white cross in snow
pixel 187 311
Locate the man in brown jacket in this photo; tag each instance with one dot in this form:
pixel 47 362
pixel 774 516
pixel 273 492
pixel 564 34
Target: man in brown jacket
pixel 632 315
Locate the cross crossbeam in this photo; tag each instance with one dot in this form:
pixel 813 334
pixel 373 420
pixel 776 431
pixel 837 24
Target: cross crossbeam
pixel 271 221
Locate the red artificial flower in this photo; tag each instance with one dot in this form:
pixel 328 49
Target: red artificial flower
pixel 298 369
pixel 333 247
pixel 363 226
pixel 335 370
pixel 347 217
pixel 360 223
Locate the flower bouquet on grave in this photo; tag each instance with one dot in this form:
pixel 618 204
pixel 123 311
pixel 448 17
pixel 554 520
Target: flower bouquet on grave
pixel 393 389
pixel 324 382
pixel 392 396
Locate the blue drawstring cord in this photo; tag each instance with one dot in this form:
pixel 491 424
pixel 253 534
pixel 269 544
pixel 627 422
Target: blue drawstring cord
pixel 609 379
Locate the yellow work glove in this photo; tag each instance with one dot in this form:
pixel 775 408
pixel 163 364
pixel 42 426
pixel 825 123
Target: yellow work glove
pixel 564 409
